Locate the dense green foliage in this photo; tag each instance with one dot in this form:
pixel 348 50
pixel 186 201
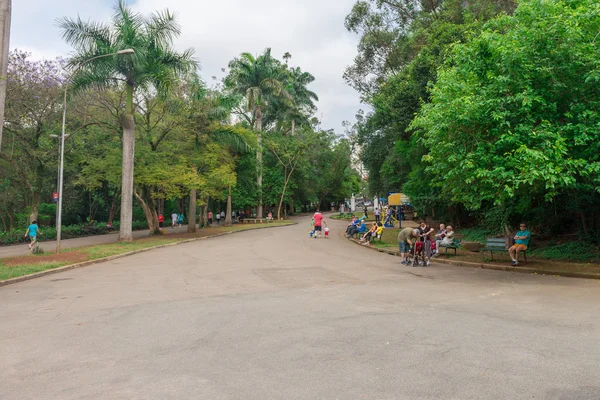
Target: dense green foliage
pixel 483 112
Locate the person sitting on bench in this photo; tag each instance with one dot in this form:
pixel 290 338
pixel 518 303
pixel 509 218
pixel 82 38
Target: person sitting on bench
pixel 352 224
pixel 367 236
pixel 521 242
pixel 358 229
pixel 446 241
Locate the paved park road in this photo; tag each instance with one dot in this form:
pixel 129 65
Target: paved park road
pixel 272 314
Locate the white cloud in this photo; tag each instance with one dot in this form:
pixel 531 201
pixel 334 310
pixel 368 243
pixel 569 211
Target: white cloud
pixel 311 30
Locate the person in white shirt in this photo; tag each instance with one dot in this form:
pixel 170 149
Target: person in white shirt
pixel 173 220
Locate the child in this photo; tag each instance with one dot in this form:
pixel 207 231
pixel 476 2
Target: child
pixel 326 233
pixel 180 220
pixel 32 231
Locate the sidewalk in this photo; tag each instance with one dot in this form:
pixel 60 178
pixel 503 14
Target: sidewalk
pixel 50 246
pixel 471 259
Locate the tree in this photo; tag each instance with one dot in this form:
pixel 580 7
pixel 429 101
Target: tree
pixel 33 112
pixel 513 122
pixel 154 65
pixel 5 18
pixel 258 80
pixel 288 151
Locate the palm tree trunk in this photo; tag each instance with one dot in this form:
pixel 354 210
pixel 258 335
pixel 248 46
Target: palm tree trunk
pixel 5 17
pixel 128 123
pixel 228 212
pixel 192 212
pixel 259 164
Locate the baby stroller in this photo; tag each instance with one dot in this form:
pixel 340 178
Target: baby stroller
pixel 422 252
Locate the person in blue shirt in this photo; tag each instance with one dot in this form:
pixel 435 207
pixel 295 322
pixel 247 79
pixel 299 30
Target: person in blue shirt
pixel 521 242
pixel 32 231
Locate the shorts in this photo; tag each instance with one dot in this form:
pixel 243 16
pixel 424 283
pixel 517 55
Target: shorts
pixel 404 247
pixel 519 247
pixel 317 228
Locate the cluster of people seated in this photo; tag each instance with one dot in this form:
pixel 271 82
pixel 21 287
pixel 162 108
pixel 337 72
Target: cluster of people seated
pixel 443 238
pixel 358 225
pixel 420 238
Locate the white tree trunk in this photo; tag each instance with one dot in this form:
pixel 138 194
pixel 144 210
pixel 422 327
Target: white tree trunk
pixel 259 165
pixel 125 231
pixel 5 18
pixel 192 212
pixel 228 212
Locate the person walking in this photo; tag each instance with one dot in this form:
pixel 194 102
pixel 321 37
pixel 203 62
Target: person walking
pixel 377 213
pixel 318 218
pixel 223 216
pixel 161 221
pixel 32 231
pixel 173 220
pixel 210 217
pixel 180 219
pixel 218 218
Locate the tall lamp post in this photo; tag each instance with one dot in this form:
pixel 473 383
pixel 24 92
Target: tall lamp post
pixel 62 144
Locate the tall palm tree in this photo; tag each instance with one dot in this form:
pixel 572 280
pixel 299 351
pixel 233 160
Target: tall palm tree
pixel 155 64
pixel 303 99
pixel 5 18
pixel 258 80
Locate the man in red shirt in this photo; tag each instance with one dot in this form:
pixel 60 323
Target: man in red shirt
pixel 318 217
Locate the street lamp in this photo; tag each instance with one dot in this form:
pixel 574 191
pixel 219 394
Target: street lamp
pixel 62 143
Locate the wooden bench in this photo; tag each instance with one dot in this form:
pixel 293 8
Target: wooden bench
pixel 498 245
pixel 254 220
pixel 454 246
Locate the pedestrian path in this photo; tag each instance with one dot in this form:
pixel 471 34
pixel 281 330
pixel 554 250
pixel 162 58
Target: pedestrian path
pixel 50 246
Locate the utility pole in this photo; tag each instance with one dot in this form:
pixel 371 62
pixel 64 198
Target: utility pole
pixel 5 17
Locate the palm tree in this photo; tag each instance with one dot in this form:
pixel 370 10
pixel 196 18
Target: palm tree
pixel 297 107
pixel 5 18
pixel 258 80
pixel 303 105
pixel 155 64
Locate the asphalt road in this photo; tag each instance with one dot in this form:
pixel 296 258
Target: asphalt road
pixel 272 314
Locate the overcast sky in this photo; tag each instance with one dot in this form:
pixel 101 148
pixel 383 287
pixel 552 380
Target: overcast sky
pixel 312 31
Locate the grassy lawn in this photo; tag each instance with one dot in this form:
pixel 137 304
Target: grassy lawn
pixel 19 266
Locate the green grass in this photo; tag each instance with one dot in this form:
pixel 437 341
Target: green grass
pixel 26 269
pixel 578 251
pixel 476 234
pixel 107 250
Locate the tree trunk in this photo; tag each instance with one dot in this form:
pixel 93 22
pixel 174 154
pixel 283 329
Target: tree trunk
pixel 113 209
pixel 293 127
pixel 287 177
pixel 150 213
pixel 5 18
pixel 35 206
pixel 204 215
pixel 192 212
pixel 259 164
pixel 128 123
pixel 228 212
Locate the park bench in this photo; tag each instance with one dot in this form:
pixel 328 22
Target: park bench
pixel 254 220
pixel 498 245
pixel 454 246
pixel 361 231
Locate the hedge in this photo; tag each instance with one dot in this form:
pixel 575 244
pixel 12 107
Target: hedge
pixel 68 232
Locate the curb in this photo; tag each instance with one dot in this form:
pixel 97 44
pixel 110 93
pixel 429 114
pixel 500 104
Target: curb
pixel 82 264
pixel 496 267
